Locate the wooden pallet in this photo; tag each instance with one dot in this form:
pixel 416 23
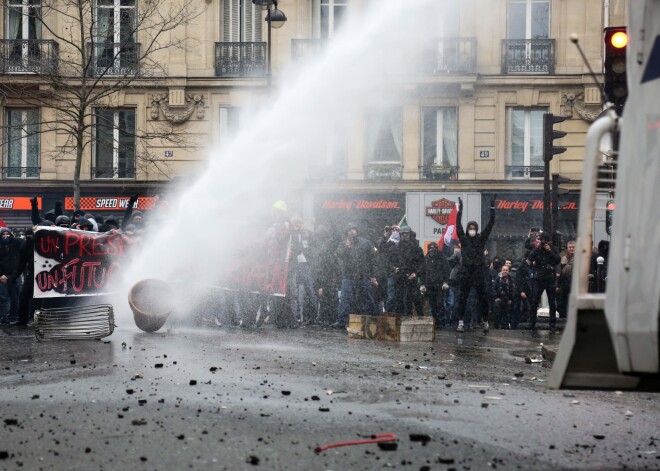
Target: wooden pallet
pixel 391 327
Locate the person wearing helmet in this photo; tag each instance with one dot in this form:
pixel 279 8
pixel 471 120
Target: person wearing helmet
pixel 356 259
pixel 546 260
pixel 63 221
pixel 474 272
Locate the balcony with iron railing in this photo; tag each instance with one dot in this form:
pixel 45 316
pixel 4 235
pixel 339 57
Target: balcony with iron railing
pixel 528 56
pixel 28 56
pixel 9 173
pixel 240 59
pixel 383 171
pixel 438 172
pixel 114 59
pixel 524 171
pixel 453 56
pixel 113 173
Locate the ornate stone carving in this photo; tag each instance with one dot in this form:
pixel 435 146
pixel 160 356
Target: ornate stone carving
pixel 160 102
pixel 573 101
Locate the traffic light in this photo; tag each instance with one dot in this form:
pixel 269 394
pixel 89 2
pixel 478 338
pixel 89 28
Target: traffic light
pixel 549 135
pixel 609 216
pixel 614 66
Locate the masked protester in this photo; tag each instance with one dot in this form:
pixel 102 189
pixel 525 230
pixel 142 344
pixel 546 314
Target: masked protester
pixel 25 268
pixel 546 260
pixel 356 259
pixel 504 294
pixel 408 261
pixel 9 249
pixel 474 271
pixel 436 283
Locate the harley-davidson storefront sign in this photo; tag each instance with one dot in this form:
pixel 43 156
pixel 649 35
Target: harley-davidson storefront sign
pixel 370 212
pixel 440 210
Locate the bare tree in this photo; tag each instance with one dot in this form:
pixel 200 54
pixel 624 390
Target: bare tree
pixel 92 52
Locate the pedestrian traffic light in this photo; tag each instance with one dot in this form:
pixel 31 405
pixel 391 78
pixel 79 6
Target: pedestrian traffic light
pixel 609 216
pixel 614 66
pixel 549 135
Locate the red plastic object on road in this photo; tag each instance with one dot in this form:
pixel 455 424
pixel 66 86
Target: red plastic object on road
pixel 377 438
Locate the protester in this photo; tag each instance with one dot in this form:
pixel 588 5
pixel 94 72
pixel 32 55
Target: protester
pixel 474 273
pixel 546 260
pixel 435 276
pixel 9 254
pixel 301 280
pixel 356 259
pixel 504 292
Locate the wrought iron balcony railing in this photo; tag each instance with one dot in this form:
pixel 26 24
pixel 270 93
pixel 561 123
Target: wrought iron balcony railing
pixel 454 56
pixel 240 59
pixel 439 172
pixel 20 172
pixel 383 171
pixel 524 171
pixel 25 56
pixel 528 56
pixel 100 173
pixel 113 59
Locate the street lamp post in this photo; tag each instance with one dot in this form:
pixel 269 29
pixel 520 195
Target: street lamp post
pixel 275 19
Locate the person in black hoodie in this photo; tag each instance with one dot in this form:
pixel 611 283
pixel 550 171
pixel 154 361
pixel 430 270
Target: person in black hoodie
pixel 356 260
pixel 408 258
pixel 546 259
pixel 326 274
pixel 474 273
pixel 504 292
pixel 9 248
pixel 436 282
pixel 25 267
pixel 523 281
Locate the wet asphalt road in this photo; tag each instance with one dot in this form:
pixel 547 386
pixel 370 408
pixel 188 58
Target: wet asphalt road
pixel 230 398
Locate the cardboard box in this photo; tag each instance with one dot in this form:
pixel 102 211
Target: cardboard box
pixel 391 327
pixel 362 327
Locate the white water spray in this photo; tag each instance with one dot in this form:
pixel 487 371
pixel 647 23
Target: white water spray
pixel 368 65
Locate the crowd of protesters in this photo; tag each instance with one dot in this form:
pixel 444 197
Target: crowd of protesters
pixel 17 253
pixel 334 275
pixel 330 275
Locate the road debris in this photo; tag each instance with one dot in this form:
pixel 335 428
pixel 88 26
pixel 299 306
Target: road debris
pixel 376 438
